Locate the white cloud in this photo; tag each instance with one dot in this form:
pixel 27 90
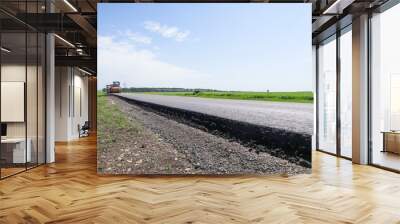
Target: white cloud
pixel 120 60
pixel 167 31
pixel 135 37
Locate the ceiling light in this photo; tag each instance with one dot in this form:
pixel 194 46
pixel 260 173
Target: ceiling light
pixel 65 41
pixel 5 50
pixel 79 51
pixel 84 71
pixel 70 5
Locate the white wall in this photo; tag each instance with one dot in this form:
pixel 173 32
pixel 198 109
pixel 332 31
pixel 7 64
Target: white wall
pixel 71 94
pixel 80 109
pixel 33 126
pixel 17 72
pixel 62 82
pixel 14 72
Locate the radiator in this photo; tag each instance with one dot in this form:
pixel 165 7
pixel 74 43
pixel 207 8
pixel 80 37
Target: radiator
pixel 391 142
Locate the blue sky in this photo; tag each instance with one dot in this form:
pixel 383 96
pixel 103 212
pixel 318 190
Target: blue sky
pixel 249 47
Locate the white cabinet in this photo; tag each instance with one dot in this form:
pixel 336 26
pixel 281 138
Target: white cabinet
pixel 19 155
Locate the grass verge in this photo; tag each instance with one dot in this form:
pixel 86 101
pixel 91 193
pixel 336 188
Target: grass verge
pixel 112 122
pixel 295 97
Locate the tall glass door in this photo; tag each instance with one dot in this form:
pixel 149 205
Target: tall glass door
pixel 327 95
pixel 385 89
pixel 346 93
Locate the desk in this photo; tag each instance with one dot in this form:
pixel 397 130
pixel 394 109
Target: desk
pixel 18 150
pixel 391 141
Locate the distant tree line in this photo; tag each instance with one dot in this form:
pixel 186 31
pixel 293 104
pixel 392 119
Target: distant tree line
pixel 152 89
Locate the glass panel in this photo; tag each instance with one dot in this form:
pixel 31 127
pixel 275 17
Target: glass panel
pixel 31 98
pixel 385 83
pixel 314 72
pixel 327 96
pixel 31 88
pixel 41 99
pixel 13 79
pixel 346 94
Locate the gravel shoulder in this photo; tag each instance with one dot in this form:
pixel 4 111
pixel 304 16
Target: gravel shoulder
pixel 164 146
pixel 133 149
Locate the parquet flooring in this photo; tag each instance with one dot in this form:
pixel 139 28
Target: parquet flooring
pixel 70 191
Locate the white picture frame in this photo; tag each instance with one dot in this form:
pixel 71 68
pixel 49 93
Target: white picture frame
pixel 12 101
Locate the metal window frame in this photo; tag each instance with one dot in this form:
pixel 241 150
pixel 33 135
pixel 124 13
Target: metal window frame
pixel 0 93
pixel 338 96
pixel 337 35
pixel 316 97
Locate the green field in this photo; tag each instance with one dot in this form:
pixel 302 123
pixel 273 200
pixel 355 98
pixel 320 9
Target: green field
pixel 297 97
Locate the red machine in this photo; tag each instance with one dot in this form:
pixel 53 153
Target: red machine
pixel 114 88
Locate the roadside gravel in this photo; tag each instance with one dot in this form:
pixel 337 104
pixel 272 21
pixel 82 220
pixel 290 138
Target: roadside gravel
pixel 196 151
pixel 136 150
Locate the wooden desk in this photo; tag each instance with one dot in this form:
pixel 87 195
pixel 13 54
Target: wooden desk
pixel 18 149
pixel 391 141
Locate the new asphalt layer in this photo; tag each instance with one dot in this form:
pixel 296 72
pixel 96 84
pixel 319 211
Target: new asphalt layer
pixel 294 117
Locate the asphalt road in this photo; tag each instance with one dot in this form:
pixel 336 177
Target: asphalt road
pixel 296 117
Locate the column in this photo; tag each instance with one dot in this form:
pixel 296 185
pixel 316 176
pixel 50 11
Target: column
pixel 360 90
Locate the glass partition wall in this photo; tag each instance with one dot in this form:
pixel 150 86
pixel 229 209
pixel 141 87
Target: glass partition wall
pixel 385 89
pixel 13 86
pixel 327 95
pixel 334 107
pixel 345 61
pixel 22 98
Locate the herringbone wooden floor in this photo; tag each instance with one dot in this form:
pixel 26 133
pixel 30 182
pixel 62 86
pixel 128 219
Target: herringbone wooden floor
pixel 70 191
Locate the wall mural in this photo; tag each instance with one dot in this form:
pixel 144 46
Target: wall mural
pixel 204 89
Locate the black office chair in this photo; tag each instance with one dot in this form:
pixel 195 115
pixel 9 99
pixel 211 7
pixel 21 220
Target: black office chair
pixel 84 130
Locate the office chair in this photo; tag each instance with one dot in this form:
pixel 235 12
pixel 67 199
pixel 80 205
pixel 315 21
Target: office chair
pixel 84 130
